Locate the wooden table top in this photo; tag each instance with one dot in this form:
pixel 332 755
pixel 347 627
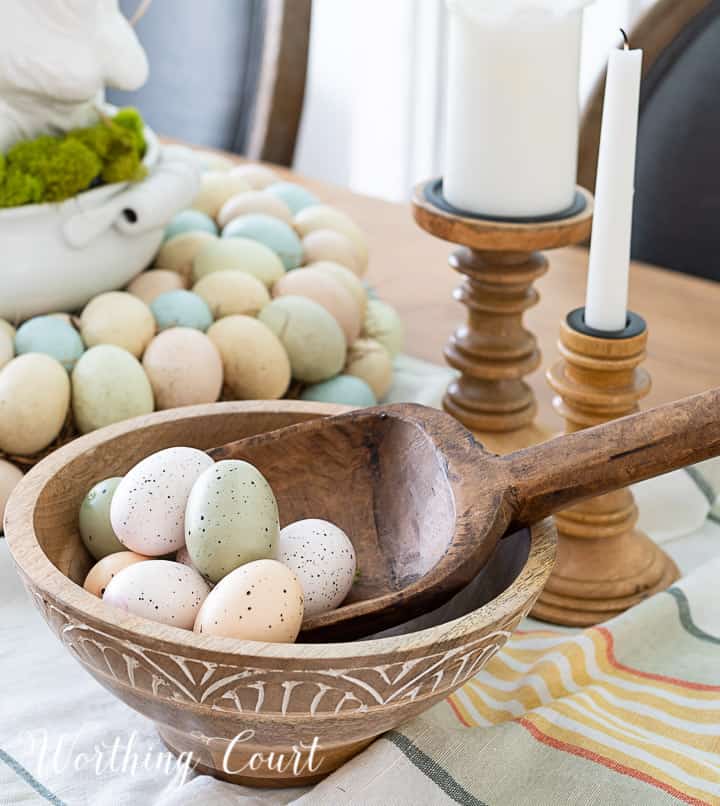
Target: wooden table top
pixel 409 269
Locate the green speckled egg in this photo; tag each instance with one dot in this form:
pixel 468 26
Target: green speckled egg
pixel 310 334
pixel 181 308
pixel 231 519
pixel 241 254
pixel 346 389
pixel 190 221
pixel 295 196
pixel 272 232
pixel 383 324
pixel 96 530
pixel 52 336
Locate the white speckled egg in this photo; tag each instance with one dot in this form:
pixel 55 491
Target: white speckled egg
pixel 260 601
pixel 184 368
pixel 254 202
pixel 383 324
pixel 257 176
pixel 312 337
pixel 324 217
pixel 232 292
pixel 216 187
pixel 118 318
pixel 148 509
pixel 369 360
pixel 179 252
pixel 159 590
pixel 328 244
pixel 96 531
pixel 109 385
pixel 150 284
pixel 239 254
pixel 322 557
pixel 34 401
pixel 50 335
pixel 7 348
pixel 104 570
pixel 351 282
pixel 255 363
pixel 9 477
pixel 231 518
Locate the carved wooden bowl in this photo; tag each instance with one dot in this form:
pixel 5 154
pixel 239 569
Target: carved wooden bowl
pixel 230 702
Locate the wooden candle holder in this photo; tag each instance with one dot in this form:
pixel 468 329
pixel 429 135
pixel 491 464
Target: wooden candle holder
pixel 500 259
pixel 604 564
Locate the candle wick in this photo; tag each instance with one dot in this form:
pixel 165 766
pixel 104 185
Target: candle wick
pixel 626 42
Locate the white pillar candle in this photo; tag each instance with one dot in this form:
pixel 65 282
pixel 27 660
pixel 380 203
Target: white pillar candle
pixel 512 106
pixel 607 287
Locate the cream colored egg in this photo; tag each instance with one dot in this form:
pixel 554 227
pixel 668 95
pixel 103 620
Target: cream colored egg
pixel 178 253
pixel 7 349
pixel 108 385
pixel 216 187
pixel 257 176
pixel 34 401
pixel 184 368
pixel 239 254
pixel 118 318
pixel 328 292
pixel 6 327
pixel 259 601
pixel 329 244
pixel 232 292
pixel 9 478
pixel 322 216
pixel 212 161
pixel 347 278
pixel 369 360
pixel 383 324
pixel 255 364
pixel 254 202
pixel 104 570
pixel 148 285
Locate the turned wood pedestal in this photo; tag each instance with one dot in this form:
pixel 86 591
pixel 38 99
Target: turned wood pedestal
pixel 604 564
pixel 493 351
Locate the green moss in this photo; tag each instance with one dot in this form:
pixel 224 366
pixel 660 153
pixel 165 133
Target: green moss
pixel 129 118
pixel 20 188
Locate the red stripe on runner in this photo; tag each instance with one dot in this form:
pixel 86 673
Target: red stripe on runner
pixel 457 712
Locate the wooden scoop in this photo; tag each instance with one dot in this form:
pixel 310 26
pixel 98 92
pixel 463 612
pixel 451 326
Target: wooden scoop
pixel 425 504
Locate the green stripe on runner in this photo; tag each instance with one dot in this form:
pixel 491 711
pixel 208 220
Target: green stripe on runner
pixel 686 619
pixel 26 776
pixel 437 774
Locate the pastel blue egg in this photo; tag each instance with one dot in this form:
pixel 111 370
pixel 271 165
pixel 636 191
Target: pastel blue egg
pixel 295 196
pixel 272 232
pixel 371 292
pixel 190 221
pixel 50 335
pixel 180 308
pixel 345 389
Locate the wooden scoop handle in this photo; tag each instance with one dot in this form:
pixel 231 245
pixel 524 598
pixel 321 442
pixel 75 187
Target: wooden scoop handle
pixel 550 477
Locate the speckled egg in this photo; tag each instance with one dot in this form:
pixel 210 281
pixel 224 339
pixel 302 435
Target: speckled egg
pixel 216 187
pixel 189 221
pixel 179 252
pixel 255 363
pixel 326 291
pixel 239 254
pixel 322 216
pixel 159 590
pixel 184 368
pixel 260 601
pixel 148 285
pixel 6 327
pixel 345 389
pixel 9 478
pixel 34 401
pixel 328 244
pixel 232 292
pixel 295 196
pixel 148 508
pixel 118 318
pixel 322 557
pixel 257 176
pixel 52 336
pixel 7 347
pixel 275 234
pixel 369 360
pixel 96 531
pixel 108 385
pixel 343 275
pixel 231 518
pixel 103 571
pixel 251 203
pixel 311 336
pixel 383 324
pixel 181 308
